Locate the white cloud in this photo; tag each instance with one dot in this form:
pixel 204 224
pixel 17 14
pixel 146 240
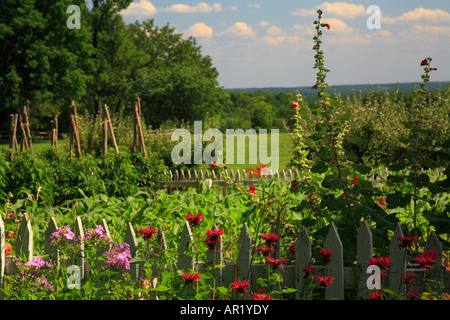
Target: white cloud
pixel 302 29
pixel 337 26
pixel 340 9
pixel 254 5
pixel 275 31
pixel 264 24
pixel 240 29
pixel 199 30
pixel 419 14
pixel 431 30
pixel 141 9
pixel 202 7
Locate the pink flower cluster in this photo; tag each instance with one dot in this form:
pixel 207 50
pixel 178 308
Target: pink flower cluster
pixel 62 235
pixel 34 269
pixel 119 257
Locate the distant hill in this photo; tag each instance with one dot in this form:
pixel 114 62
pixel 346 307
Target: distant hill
pixel 348 89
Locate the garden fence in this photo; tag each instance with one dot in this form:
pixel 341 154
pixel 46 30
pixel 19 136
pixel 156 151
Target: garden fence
pixel 182 179
pixel 345 277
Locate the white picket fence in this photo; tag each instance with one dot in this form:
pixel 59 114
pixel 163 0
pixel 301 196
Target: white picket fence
pixel 182 179
pixel 345 278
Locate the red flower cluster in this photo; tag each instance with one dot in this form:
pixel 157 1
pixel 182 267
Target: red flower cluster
pixel 426 259
pixel 407 278
pixel 190 278
pixel 375 295
pixel 325 282
pixel 406 242
pixel 294 184
pixel 148 232
pixel 213 238
pixel 240 286
pixel 424 62
pixel 309 271
pixel 260 295
pixel 326 256
pixel 276 263
pixel 295 105
pixel 382 262
pixel 270 238
pixel 292 248
pixel 382 202
pixel 194 220
pixel 355 179
pixel 265 251
pixel 252 189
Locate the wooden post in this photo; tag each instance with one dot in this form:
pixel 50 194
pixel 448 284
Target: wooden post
pixel 24 144
pixel 111 130
pixel 105 134
pixel 139 129
pixel 27 128
pixel 13 135
pixel 55 131
pixel 74 122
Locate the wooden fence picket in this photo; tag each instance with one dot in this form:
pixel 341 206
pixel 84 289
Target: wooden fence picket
pixel 186 249
pixel 397 266
pixel 364 254
pixel 336 266
pixel 303 256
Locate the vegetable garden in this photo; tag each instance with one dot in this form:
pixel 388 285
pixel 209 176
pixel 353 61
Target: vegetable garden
pixel 122 194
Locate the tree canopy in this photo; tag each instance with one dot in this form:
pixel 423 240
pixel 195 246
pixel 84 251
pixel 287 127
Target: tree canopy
pixel 45 65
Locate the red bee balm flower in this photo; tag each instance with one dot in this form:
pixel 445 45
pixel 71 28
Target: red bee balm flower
pixel 325 282
pixel 148 232
pixel 375 295
pixel 252 189
pixel 406 242
pixel 213 238
pixel 194 220
pixel 277 263
pixel 240 286
pixel 270 238
pixel 190 278
pixel 426 259
pixel 326 25
pixel 407 278
pixel 382 202
pixel 326 256
pixel 309 271
pixel 265 251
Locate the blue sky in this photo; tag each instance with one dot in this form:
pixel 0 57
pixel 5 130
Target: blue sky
pixel 262 43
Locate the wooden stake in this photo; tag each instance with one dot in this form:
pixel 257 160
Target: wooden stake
pixel 27 129
pixel 105 133
pixel 111 130
pixel 139 129
pixel 13 135
pixel 74 121
pixel 24 144
pixel 55 131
